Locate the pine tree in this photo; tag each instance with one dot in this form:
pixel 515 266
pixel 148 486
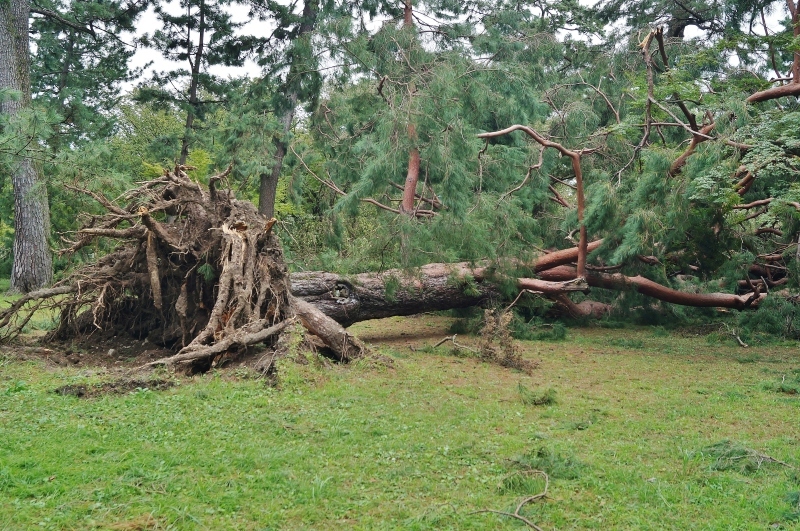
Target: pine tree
pixel 33 263
pixel 201 36
pixel 79 59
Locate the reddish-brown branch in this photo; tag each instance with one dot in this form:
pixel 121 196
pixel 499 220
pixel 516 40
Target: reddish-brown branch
pixel 746 180
pixel 645 286
pixel 792 89
pixel 557 197
pixel 697 139
pixel 328 183
pixel 563 257
pixel 433 202
pixel 412 176
pixel 575 157
pixel 754 215
pixel 754 204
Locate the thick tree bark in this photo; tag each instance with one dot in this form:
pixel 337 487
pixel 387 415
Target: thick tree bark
pixel 349 300
pixel 268 186
pixel 432 287
pixel 33 263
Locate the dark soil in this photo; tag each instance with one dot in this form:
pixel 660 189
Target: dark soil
pixel 110 352
pixel 118 387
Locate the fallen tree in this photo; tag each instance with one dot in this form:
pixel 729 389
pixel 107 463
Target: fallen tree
pixel 202 273
pixel 432 287
pixel 351 299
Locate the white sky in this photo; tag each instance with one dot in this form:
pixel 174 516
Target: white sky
pixel 149 23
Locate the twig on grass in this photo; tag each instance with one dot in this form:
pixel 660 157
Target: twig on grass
pixel 457 345
pixel 732 331
pixel 516 514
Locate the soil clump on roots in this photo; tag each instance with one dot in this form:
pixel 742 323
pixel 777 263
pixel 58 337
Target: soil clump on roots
pixel 193 270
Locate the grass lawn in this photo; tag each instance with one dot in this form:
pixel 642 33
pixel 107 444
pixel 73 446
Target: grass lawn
pixel 628 442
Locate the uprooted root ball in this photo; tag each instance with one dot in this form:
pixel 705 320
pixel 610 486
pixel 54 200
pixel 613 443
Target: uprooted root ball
pixel 194 269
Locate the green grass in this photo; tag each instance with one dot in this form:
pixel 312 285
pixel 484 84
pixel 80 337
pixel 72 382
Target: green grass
pixel 630 443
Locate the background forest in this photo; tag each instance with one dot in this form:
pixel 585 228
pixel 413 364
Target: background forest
pixel 667 132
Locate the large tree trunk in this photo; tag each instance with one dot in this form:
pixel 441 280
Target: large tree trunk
pixel 433 287
pixel 366 296
pixel 349 300
pixel 33 263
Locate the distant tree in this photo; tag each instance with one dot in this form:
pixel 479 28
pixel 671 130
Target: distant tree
pixel 195 35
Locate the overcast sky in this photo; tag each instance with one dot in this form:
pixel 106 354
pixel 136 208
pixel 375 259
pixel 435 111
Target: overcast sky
pixel 149 23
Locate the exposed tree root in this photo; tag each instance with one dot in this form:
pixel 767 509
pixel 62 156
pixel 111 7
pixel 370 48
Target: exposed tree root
pixel 195 270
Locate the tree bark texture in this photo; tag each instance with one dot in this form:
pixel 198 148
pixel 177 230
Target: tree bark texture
pixel 33 263
pixel 349 300
pixel 268 186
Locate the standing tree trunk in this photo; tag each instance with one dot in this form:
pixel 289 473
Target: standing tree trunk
pixel 193 99
pixel 412 176
pixel 268 185
pixel 33 263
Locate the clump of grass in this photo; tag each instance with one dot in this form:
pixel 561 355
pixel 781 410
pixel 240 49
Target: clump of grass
pixel 731 455
pixel 634 344
pixel 532 398
pixel 553 464
pixel 521 482
pixel 788 386
pixel 793 513
pixel 538 331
